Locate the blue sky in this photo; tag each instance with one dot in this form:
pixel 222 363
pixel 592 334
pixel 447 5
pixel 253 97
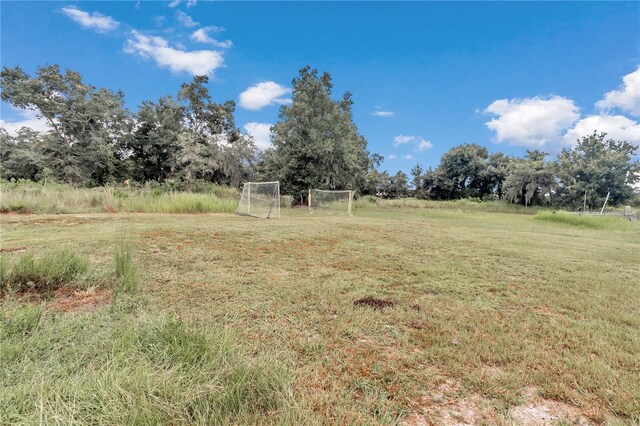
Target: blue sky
pixel 424 76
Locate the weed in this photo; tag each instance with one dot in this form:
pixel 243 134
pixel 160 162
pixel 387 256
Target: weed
pixel 43 274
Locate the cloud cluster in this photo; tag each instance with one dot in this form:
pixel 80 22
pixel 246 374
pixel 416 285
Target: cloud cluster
pixel 261 133
pixel 176 58
pixel 197 62
pixel 185 20
pixel 616 127
pixel 188 3
pixel 201 35
pixel 626 97
pixel 28 119
pixel 95 20
pixel 531 122
pixel 421 143
pixel 554 121
pixel 263 94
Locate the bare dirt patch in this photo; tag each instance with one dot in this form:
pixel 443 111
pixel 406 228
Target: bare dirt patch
pixel 375 303
pixel 69 299
pixel 447 405
pixel 540 411
pixel 12 249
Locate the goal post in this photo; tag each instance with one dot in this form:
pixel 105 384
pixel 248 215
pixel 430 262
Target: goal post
pixel 334 202
pixel 260 199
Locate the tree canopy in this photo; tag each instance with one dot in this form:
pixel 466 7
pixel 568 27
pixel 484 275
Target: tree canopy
pixel 316 144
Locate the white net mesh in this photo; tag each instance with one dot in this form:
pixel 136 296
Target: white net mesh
pixel 260 199
pixel 333 202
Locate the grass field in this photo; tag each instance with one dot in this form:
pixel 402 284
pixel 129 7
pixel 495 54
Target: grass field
pixel 468 317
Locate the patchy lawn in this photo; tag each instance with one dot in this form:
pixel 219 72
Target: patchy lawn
pixel 406 315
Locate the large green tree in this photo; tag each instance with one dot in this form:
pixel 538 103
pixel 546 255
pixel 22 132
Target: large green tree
pixel 530 181
pixel 598 166
pixel 89 126
pixel 211 146
pixel 155 143
pixel 316 143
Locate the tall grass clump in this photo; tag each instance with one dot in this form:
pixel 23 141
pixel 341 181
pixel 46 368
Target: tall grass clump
pixel 179 203
pixel 136 368
pixel 44 273
pixel 127 279
pixel 593 222
pixel 53 198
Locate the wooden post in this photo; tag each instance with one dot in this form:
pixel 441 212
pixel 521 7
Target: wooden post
pixel 309 200
pixel 249 198
pixel 350 202
pixel 605 203
pixel 584 204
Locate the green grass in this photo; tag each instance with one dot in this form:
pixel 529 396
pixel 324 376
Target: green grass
pixel 44 273
pixel 370 203
pixel 489 308
pixel 132 367
pixel 178 203
pixel 594 222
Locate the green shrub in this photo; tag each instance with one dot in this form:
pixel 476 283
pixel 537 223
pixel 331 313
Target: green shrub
pixel 43 274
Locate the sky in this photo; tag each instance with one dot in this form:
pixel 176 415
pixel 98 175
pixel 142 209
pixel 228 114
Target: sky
pixel 424 76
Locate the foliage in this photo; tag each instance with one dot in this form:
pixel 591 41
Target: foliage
pixel 316 143
pixel 598 166
pixel 89 126
pixel 530 181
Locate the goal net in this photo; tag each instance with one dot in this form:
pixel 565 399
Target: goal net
pixel 260 199
pixel 337 202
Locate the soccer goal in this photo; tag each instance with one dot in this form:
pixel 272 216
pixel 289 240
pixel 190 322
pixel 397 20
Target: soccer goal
pixel 260 199
pixel 337 202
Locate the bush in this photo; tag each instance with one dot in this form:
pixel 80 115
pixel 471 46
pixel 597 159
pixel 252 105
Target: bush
pixel 42 274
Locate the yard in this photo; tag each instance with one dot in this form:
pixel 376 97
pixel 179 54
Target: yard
pixel 396 315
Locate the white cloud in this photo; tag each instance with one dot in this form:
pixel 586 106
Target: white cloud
pixel 197 62
pixel 191 3
pixel 174 3
pixel 185 20
pixel 617 127
pixel 626 97
pixel 202 35
pixel 263 94
pixel 421 143
pixel 408 157
pixel 95 20
pixel 402 139
pixel 392 157
pixel 28 118
pixel 424 144
pixel 532 122
pixel 261 133
pixel 383 113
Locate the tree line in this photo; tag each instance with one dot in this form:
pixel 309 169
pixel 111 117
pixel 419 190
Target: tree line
pixel 187 138
pixel 586 174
